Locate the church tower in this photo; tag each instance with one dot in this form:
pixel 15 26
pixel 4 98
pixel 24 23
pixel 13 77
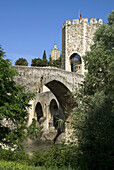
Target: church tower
pixel 76 40
pixel 55 53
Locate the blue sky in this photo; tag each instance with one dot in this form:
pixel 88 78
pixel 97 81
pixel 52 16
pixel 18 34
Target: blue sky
pixel 28 27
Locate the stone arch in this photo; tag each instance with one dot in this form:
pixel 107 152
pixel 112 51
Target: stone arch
pixel 57 118
pixel 39 111
pixel 62 93
pixel 54 111
pixel 60 82
pixel 75 63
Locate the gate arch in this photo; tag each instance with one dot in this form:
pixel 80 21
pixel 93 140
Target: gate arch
pixel 75 62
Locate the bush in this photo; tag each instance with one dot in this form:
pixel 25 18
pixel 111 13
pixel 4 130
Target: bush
pixel 16 156
pixel 18 166
pixel 33 130
pixel 59 156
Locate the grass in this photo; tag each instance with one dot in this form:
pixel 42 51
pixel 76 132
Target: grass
pixel 4 165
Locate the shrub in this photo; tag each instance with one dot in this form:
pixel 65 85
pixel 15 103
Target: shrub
pixel 33 130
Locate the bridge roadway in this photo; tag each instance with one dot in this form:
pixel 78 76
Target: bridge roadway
pixel 60 82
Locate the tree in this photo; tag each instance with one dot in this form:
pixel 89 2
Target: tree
pixel 40 62
pixel 94 115
pixel 44 55
pixel 37 62
pixel 21 61
pixel 50 61
pixel 13 105
pixel 57 63
pixel 45 61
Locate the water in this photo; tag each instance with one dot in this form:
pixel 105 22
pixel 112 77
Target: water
pixel 34 145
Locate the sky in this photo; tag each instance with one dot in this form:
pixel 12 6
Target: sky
pixel 28 27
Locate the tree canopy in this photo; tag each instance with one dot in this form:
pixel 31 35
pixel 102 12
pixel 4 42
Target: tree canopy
pixel 44 62
pixel 14 103
pixel 94 115
pixel 44 55
pixel 21 61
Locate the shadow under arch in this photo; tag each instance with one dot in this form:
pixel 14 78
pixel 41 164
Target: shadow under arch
pixel 39 111
pixel 62 93
pixel 54 110
pixel 76 62
pixel 57 118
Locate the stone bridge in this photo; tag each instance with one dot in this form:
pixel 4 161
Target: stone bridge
pixel 60 82
pixel 48 106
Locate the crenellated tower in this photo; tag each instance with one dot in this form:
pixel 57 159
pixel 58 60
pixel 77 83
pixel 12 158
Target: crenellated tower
pixel 76 40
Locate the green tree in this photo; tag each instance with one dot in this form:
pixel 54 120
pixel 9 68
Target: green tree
pixel 21 61
pixel 50 61
pixel 40 62
pixel 57 63
pixel 13 105
pixel 45 61
pixel 44 55
pixel 94 115
pixel 37 62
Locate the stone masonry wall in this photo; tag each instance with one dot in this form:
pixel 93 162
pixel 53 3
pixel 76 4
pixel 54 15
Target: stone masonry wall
pixel 77 38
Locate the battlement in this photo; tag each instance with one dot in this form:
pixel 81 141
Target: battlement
pixel 83 20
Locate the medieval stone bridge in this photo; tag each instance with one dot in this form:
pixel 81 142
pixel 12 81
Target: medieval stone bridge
pixel 60 82
pixel 49 106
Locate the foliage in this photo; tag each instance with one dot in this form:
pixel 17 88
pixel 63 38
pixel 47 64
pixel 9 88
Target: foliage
pixel 55 63
pixel 33 130
pixel 94 115
pixel 19 156
pixel 57 157
pixel 13 105
pixel 44 62
pixel 21 61
pixel 39 62
pixel 44 55
pixel 19 166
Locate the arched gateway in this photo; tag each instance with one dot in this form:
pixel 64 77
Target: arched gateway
pixel 76 63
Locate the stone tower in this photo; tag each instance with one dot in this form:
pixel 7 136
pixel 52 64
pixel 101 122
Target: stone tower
pixel 55 53
pixel 76 40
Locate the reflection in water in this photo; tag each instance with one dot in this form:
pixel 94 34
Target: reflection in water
pixel 36 145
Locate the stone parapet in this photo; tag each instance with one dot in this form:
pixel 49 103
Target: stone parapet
pixel 83 20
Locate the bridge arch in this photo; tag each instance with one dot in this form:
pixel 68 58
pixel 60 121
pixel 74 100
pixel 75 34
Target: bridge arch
pixel 39 111
pixel 61 83
pixel 54 111
pixel 61 92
